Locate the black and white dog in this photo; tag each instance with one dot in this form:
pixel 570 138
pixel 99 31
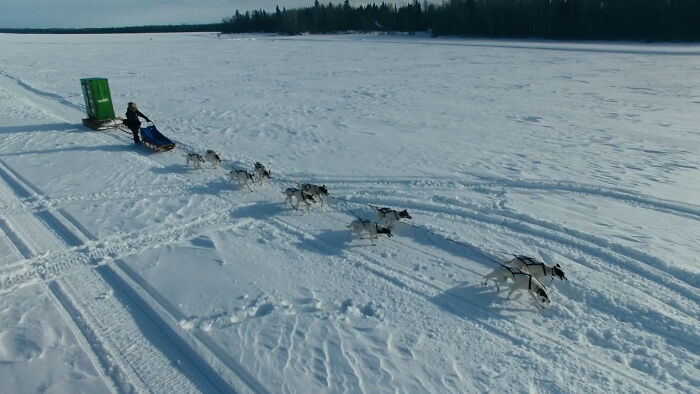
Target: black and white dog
pixel 390 216
pixel 300 196
pixel 213 158
pixel 243 177
pixel 315 190
pixel 537 268
pixel 360 226
pixel 262 172
pixel 521 281
pixel 196 159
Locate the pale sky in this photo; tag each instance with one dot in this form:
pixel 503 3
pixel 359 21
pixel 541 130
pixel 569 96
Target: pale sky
pixel 117 13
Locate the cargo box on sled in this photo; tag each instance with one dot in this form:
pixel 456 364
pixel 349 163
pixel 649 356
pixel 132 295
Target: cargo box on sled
pixel 98 105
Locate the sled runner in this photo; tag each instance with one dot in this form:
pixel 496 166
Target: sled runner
pixel 105 124
pixel 152 139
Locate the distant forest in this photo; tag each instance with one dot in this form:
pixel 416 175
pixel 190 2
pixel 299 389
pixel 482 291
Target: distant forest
pixel 113 30
pixel 639 20
pixel 636 20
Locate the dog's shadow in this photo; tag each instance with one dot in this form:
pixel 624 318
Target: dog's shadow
pixel 259 210
pixel 215 187
pixel 50 127
pixel 171 169
pixel 327 243
pixel 477 302
pixel 424 236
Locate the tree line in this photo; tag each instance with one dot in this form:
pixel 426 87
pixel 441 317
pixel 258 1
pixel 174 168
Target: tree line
pixel 213 27
pixel 645 20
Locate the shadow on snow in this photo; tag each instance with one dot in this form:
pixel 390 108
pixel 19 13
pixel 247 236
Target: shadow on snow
pixel 62 127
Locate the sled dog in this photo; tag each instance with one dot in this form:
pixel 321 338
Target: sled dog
pixel 262 172
pixel 521 281
pixel 315 190
pixel 537 268
pixel 360 226
pixel 243 177
pixel 390 216
pixel 213 158
pixel 196 159
pixel 299 195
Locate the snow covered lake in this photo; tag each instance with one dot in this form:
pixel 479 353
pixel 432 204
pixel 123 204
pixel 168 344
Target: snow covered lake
pixel 123 270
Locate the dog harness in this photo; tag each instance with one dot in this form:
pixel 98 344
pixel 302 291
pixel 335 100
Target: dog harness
pixel 515 271
pixel 384 211
pixel 260 166
pixel 529 261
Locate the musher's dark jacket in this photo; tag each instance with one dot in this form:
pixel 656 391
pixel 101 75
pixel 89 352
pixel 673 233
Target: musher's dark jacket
pixel 132 119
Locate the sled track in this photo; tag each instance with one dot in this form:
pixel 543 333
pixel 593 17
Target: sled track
pixel 55 264
pixel 33 205
pixel 635 262
pixel 496 185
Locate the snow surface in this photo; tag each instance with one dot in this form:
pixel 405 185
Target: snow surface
pixel 123 270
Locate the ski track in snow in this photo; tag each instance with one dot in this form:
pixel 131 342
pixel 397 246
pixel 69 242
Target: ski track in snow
pixel 97 291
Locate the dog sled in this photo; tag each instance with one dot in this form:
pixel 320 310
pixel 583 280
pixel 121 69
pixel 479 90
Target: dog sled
pixel 152 139
pixel 104 124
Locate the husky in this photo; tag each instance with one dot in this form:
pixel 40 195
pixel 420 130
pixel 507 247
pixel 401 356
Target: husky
pixel 262 172
pixel 390 216
pixel 521 281
pixel 243 177
pixel 537 268
pixel 360 226
pixel 213 158
pixel 300 196
pixel 196 159
pixel 315 190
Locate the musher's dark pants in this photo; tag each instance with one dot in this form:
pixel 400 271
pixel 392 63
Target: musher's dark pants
pixel 135 129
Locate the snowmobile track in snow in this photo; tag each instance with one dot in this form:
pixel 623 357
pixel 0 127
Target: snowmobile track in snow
pixel 108 313
pixel 114 317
